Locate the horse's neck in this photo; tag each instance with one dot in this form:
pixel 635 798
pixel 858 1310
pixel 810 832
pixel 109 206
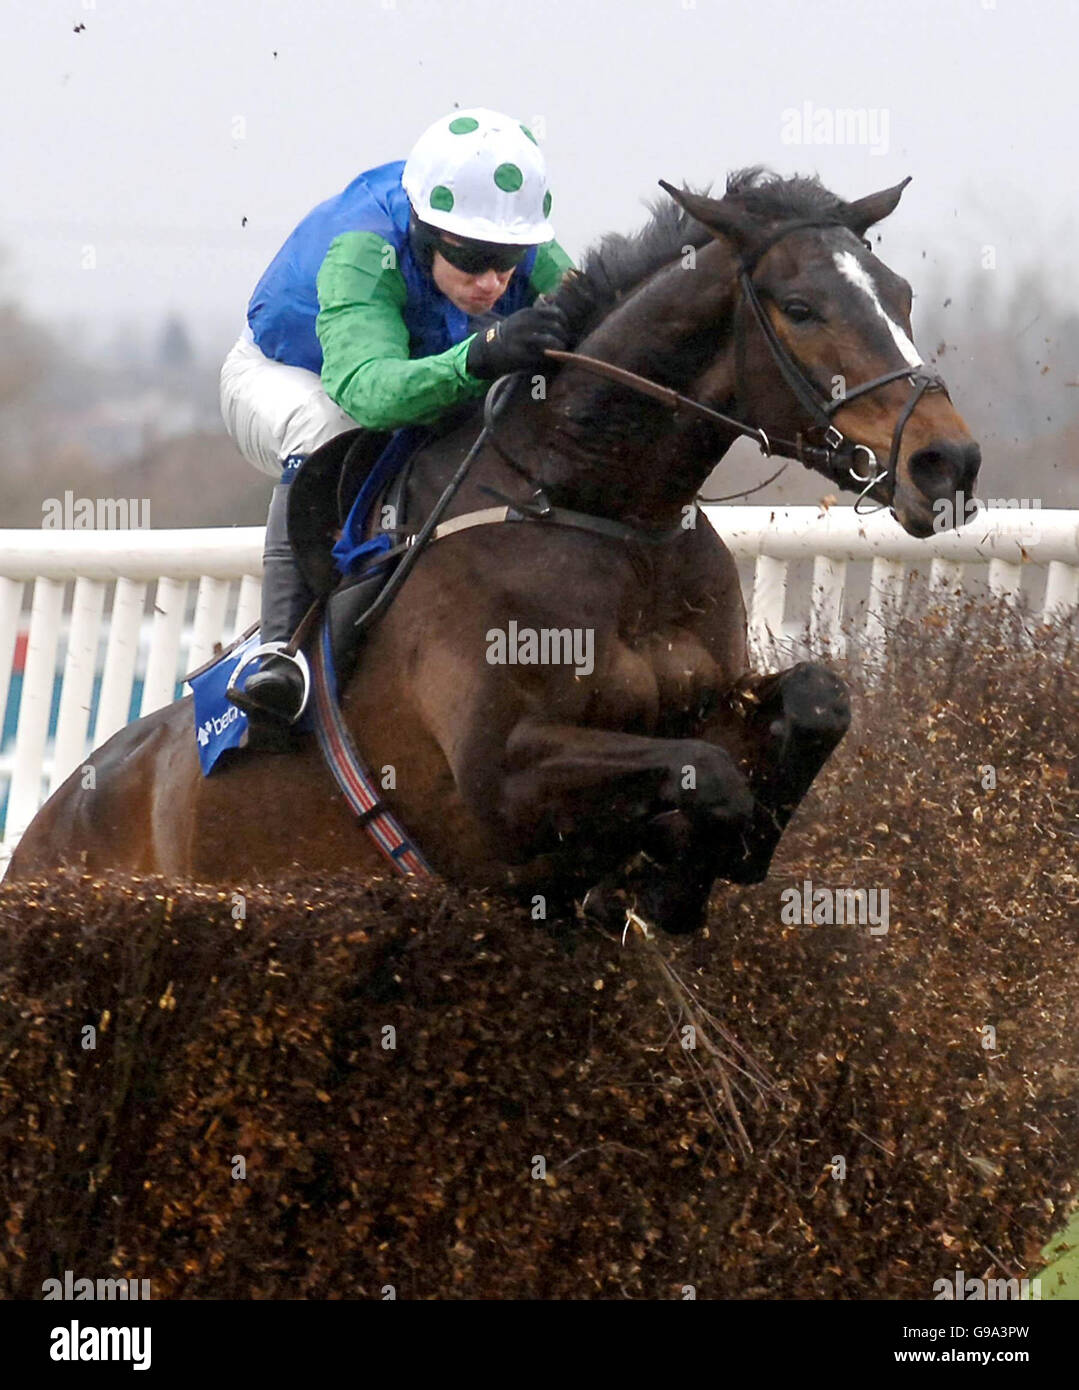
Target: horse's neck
pixel 627 455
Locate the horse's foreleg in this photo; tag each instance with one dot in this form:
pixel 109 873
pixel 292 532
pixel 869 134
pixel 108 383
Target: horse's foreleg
pixel 595 797
pixel 792 722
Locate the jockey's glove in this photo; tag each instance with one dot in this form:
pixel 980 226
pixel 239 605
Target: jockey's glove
pixel 518 342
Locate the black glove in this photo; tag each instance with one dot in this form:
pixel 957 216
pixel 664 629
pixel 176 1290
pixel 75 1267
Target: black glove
pixel 518 342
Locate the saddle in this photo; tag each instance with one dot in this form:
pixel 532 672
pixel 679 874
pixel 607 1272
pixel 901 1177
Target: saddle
pixel 321 496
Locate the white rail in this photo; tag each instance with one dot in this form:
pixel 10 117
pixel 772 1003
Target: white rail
pixel 1000 547
pixel 65 636
pixel 225 564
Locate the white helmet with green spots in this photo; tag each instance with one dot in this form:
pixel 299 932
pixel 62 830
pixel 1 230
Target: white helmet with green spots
pixel 480 175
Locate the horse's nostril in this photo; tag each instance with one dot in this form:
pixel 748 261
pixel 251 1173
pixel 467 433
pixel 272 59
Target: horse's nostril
pixel 929 471
pixel 943 467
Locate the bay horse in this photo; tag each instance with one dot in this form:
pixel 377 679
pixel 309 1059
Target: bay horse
pixel 663 763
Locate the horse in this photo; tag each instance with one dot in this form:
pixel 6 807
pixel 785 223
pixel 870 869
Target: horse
pixel 636 776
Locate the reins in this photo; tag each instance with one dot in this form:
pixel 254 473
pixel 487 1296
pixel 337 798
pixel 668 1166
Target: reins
pixel 494 403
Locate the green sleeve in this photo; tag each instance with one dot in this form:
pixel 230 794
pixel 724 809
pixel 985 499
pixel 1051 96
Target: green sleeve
pixel 550 265
pixel 366 368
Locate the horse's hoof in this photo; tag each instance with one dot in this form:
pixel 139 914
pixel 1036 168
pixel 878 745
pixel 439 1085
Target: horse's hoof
pixel 677 906
pixel 814 706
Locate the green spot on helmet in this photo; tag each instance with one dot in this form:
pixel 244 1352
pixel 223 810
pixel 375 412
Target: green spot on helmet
pixel 481 175
pixel 547 204
pixel 509 178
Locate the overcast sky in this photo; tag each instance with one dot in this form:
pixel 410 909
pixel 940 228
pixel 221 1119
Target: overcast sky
pixel 137 146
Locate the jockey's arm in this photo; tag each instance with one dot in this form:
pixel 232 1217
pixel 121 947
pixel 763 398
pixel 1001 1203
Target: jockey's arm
pixel 366 368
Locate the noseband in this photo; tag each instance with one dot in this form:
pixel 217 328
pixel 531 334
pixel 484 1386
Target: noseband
pixel 841 455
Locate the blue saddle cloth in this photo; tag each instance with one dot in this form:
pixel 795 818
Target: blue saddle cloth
pixel 219 724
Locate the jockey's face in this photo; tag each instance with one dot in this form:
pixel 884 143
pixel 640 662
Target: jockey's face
pixel 473 294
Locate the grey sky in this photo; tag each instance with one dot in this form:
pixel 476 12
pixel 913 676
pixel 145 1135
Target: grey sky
pixel 150 135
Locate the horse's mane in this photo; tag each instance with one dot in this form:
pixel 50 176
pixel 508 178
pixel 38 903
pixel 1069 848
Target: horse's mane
pixel 621 262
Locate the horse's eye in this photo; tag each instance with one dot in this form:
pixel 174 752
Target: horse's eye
pixel 797 310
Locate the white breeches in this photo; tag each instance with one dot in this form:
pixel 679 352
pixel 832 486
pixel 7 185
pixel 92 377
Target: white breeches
pixel 272 410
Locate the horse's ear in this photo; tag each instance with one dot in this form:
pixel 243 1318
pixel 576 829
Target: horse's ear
pixel 719 217
pixel 874 207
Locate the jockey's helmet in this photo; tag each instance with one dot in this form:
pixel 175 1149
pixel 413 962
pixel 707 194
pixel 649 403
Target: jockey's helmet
pixel 480 175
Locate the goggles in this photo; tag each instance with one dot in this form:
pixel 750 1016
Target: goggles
pixel 474 257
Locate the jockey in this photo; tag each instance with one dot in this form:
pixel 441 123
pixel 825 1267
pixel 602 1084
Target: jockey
pixel 403 295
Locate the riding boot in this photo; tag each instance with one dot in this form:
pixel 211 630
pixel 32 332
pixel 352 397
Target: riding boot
pixel 273 696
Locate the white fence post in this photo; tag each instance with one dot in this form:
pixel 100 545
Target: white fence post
pixel 1061 590
pixel 35 703
pixel 75 697
pixel 120 657
pixel 826 614
pixel 945 581
pixel 11 591
pixel 210 606
pixel 766 608
pixel 247 610
pixel 887 579
pixel 160 684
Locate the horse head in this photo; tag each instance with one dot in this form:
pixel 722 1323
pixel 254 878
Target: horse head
pixel 821 345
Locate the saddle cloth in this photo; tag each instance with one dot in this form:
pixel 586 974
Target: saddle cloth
pixel 219 724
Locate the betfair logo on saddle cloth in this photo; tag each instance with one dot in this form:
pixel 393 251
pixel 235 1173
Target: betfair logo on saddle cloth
pixel 219 724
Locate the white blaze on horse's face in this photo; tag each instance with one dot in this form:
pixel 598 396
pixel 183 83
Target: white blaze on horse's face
pixel 849 266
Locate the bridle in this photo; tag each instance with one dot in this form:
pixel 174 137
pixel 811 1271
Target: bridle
pixel 841 454
pixel 847 464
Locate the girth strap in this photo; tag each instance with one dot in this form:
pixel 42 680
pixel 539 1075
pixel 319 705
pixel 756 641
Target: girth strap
pixel 536 511
pixel 356 783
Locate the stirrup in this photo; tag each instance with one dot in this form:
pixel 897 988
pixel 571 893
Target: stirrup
pixel 273 649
